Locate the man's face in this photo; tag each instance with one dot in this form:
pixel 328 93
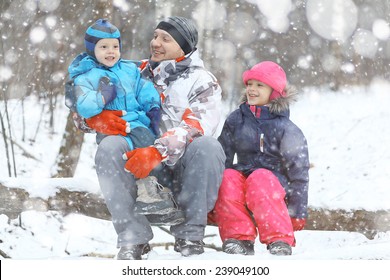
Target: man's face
pixel 164 47
pixel 107 51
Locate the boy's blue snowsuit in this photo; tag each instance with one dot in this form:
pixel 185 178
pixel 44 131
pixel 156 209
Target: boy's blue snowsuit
pixel 135 95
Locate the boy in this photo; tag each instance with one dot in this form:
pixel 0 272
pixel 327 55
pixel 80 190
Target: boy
pixel 105 81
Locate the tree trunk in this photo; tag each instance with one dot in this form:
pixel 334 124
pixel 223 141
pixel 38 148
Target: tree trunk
pixel 69 154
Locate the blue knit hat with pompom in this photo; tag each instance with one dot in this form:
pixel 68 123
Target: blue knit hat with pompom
pixel 101 29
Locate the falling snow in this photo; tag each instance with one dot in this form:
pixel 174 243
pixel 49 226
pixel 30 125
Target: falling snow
pixel 347 129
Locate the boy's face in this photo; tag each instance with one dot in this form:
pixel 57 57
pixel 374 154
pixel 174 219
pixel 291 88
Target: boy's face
pixel 107 51
pixel 164 47
pixel 257 93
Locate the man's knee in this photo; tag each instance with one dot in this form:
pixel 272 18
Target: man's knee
pixel 111 147
pixel 207 146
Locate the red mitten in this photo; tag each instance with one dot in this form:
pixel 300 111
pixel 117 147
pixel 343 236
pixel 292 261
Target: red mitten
pixel 141 161
pixel 108 122
pixel 298 224
pixel 211 219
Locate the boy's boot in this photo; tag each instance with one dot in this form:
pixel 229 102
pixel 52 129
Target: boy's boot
pixel 171 219
pixel 153 198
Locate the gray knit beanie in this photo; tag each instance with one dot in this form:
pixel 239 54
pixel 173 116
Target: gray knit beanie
pixel 183 30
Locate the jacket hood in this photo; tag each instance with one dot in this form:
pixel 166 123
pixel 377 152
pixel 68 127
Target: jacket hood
pixel 281 103
pixel 81 64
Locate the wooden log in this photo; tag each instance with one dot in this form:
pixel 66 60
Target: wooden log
pixel 366 222
pixel 15 200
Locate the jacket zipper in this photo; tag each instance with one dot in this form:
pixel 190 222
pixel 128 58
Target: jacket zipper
pixel 262 142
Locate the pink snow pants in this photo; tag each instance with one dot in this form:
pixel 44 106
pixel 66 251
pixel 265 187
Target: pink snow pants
pixel 260 194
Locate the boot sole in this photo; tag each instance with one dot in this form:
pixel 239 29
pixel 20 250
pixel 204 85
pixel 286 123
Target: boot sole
pixel 159 208
pixel 171 219
pixel 148 211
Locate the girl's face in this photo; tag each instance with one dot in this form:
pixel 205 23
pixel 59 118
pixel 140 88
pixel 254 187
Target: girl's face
pixel 257 93
pixel 164 47
pixel 107 51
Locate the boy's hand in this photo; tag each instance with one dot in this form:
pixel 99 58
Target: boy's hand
pixel 109 123
pixel 107 89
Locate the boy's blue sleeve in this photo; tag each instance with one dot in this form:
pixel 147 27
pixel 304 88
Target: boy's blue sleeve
pixel 147 95
pixel 89 100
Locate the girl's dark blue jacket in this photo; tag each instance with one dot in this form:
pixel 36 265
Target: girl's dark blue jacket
pixel 271 141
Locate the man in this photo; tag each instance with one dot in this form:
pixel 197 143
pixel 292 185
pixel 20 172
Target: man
pixel 190 159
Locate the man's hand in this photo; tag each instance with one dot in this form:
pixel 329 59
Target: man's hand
pixel 109 123
pixel 141 161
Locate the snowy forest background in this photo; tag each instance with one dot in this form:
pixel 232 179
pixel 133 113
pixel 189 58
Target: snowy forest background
pixel 330 44
pixel 337 52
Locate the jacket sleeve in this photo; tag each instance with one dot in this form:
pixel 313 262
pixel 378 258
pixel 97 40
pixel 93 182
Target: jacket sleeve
pixel 200 118
pixel 295 156
pixel 89 100
pixel 227 141
pixel 147 95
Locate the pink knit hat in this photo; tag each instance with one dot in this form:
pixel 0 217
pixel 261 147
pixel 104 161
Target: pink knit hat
pixel 269 73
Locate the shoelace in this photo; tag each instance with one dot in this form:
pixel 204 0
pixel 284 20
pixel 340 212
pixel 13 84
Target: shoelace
pixel 162 188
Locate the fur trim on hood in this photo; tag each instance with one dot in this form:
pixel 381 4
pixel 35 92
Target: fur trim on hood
pixel 279 104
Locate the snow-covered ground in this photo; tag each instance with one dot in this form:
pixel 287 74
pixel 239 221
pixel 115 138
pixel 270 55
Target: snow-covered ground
pixel 348 136
pixel 40 235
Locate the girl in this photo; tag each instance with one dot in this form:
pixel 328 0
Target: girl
pixel 266 190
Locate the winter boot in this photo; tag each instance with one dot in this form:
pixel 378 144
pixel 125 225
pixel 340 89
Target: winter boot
pixel 173 218
pixel 153 198
pixel 133 252
pixel 279 248
pixel 188 248
pixel 234 246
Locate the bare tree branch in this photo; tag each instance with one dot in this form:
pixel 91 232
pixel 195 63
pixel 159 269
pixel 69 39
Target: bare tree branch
pixel 25 152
